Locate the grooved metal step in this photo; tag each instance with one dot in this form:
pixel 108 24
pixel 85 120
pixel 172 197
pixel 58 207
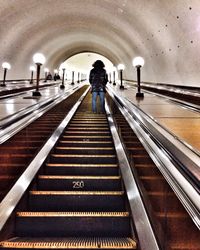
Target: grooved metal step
pixel 83 150
pixel 85 143
pixel 87 137
pixel 73 224
pixel 70 243
pixel 84 183
pixel 81 169
pixel 79 201
pixel 82 158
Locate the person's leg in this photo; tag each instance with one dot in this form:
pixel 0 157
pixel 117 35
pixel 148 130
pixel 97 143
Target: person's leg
pixel 94 99
pixel 102 101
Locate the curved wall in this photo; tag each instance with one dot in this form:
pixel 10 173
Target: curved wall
pixel 165 33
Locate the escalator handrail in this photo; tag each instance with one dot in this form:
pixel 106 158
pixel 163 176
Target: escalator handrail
pixel 183 153
pixel 142 223
pixel 11 200
pixel 185 191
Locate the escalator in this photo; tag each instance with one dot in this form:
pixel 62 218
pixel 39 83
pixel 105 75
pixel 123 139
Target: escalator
pixel 78 200
pixel 19 150
pixel 173 225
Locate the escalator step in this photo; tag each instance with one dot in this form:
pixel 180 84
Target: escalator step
pixel 83 150
pixel 85 143
pixel 72 129
pixel 155 183
pixel 82 158
pixel 147 169
pixel 73 224
pixel 80 201
pixel 82 169
pixel 85 183
pixel 5 181
pixel 69 243
pixel 87 137
pixel 142 159
pixel 93 132
pixel 166 202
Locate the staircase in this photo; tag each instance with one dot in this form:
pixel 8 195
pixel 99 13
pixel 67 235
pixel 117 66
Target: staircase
pixel 79 202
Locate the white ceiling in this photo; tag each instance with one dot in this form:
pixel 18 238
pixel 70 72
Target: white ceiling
pixel 165 32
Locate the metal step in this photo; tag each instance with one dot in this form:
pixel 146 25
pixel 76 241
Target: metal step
pixel 82 158
pixel 82 169
pixel 83 183
pixel 87 137
pixel 85 143
pixel 73 224
pixel 83 150
pixel 87 132
pixel 79 201
pixel 69 243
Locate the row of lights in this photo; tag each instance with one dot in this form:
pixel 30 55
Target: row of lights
pixel 137 62
pixel 39 60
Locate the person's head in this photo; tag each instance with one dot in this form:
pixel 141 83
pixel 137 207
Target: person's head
pixel 98 64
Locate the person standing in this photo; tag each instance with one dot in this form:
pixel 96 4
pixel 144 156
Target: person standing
pixel 98 79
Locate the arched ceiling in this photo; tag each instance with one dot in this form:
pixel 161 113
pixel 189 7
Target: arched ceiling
pixel 165 33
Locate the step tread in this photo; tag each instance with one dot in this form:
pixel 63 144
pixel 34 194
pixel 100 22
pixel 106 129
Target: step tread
pixel 72 214
pixel 86 142
pixel 79 177
pixel 172 214
pixel 77 192
pixel 84 148
pixel 87 136
pixel 75 129
pixel 87 132
pixel 71 243
pixel 81 165
pixel 83 156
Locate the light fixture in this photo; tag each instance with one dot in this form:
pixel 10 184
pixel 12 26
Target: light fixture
pixel 121 67
pixel 138 62
pixel 32 69
pixel 6 66
pixel 72 83
pixel 78 80
pixel 114 70
pixel 62 66
pixel 39 60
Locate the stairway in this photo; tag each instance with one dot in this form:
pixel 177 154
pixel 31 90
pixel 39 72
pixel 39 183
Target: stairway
pixel 79 202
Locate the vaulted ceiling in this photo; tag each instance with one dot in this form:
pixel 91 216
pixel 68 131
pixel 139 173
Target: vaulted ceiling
pixel 165 32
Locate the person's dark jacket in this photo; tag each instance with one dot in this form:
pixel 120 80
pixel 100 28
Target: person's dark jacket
pixel 98 80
